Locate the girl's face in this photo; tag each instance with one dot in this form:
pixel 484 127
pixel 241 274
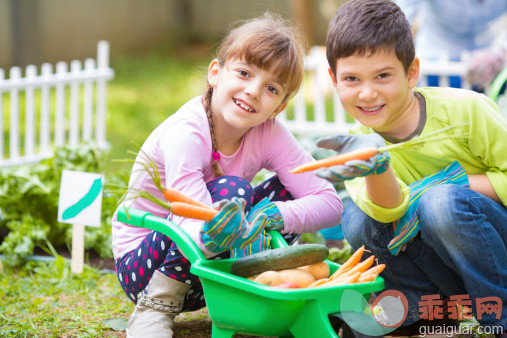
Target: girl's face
pixel 375 89
pixel 244 96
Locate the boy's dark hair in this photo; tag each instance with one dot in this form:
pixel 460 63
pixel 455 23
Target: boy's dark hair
pixel 368 26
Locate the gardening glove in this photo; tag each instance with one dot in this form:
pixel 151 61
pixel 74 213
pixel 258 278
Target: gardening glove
pixel 230 229
pixel 344 143
pixel 408 225
pixel 274 222
pixel 274 217
pixel 262 243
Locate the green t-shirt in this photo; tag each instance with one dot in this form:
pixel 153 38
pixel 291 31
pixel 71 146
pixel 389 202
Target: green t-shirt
pixel 482 151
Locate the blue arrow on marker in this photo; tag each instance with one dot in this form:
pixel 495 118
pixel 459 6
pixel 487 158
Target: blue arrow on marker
pixel 85 201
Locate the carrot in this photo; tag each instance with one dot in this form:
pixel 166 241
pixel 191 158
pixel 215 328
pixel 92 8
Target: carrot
pixel 367 278
pixel 360 267
pixel 376 269
pixel 359 154
pixel 192 211
pixel 173 195
pixel 351 262
pixel 343 281
pixel 318 283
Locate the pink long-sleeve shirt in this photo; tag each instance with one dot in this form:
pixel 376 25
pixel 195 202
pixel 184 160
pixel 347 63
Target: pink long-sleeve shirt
pixel 181 148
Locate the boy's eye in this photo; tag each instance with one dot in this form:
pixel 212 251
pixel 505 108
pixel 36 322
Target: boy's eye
pixel 351 78
pixel 383 75
pixel 272 89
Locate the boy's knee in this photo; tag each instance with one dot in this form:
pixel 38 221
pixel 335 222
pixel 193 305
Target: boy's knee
pixel 441 207
pixel 354 225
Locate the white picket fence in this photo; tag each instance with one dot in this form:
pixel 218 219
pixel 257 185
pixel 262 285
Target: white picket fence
pixel 39 112
pixel 317 109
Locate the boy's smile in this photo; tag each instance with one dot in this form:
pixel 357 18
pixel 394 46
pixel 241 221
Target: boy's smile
pixel 376 90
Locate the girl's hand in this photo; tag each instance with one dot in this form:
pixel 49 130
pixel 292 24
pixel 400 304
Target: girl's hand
pixel 343 143
pixel 274 217
pixel 230 229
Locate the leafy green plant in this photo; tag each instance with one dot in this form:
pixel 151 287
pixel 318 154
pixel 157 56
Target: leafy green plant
pixel 29 205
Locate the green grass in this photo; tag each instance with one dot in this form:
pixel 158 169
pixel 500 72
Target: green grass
pixel 46 300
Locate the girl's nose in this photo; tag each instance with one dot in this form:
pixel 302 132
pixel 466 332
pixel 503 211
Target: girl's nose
pixel 368 93
pixel 253 90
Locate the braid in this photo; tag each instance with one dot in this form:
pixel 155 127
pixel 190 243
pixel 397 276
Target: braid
pixel 206 100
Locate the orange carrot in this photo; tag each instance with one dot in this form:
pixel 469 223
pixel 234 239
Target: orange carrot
pixel 359 154
pixel 360 267
pixel 376 269
pixel 173 195
pixel 351 262
pixel 192 211
pixel 343 281
pixel 318 283
pixel 367 278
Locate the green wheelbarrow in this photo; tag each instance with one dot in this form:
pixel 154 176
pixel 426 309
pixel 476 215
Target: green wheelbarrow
pixel 238 305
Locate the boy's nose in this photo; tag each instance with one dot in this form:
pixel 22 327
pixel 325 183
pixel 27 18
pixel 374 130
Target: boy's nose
pixel 368 93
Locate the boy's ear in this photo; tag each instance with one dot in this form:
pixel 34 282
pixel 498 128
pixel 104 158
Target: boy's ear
pixel 279 109
pixel 413 73
pixel 213 72
pixel 333 77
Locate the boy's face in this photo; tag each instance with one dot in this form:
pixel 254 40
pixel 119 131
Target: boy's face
pixel 375 89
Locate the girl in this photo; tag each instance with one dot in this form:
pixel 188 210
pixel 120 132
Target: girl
pixel 210 149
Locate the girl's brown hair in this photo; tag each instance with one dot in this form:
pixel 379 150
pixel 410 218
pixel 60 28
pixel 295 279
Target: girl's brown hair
pixel 268 42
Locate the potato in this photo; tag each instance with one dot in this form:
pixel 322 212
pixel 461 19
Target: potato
pixel 269 278
pixel 318 270
pixel 298 276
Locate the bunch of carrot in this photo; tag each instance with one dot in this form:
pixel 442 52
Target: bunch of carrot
pixel 179 204
pixel 352 271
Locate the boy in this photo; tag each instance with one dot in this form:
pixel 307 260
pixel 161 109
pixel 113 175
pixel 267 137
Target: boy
pixel 458 246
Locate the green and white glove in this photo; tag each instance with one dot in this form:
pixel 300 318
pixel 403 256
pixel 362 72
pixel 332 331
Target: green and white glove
pixel 230 229
pixel 344 143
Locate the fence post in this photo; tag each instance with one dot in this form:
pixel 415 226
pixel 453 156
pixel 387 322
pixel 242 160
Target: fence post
pixel 75 68
pixel 15 75
pixel 2 78
pixel 102 66
pixel 45 108
pixel 31 73
pixel 61 70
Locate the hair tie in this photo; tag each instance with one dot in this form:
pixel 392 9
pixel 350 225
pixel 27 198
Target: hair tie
pixel 216 156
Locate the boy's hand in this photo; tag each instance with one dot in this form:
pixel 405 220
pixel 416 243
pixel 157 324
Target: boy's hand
pixel 229 229
pixel 344 143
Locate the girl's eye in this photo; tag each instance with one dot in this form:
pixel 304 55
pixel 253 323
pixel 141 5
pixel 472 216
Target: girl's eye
pixel 243 73
pixel 273 89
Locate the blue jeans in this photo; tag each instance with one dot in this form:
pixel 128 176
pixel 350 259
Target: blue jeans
pixel 461 249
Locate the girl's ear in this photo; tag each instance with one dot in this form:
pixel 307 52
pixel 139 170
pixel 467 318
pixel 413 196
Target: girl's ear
pixel 413 73
pixel 279 109
pixel 213 72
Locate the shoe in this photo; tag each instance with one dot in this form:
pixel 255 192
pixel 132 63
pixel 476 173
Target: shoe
pixel 157 306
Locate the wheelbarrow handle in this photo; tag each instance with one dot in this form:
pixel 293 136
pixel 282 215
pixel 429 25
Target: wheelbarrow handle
pixel 175 233
pixel 186 245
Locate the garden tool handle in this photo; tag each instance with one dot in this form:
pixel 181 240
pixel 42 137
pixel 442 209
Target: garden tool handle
pixel 185 244
pixel 146 220
pixel 277 240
